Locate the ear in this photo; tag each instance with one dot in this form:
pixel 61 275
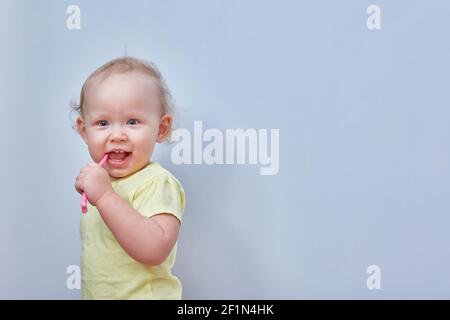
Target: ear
pixel 165 127
pixel 81 128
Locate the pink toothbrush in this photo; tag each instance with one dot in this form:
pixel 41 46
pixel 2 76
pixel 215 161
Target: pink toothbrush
pixel 84 200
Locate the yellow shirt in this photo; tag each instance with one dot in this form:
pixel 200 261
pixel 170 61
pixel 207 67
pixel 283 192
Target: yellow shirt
pixel 107 271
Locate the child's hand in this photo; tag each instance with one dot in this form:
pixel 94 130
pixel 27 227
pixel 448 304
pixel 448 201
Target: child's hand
pixel 94 180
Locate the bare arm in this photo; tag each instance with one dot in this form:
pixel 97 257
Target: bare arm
pixel 147 240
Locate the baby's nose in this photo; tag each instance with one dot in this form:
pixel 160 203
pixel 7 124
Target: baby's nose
pixel 118 134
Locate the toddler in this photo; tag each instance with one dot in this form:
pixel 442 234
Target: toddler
pixel 129 234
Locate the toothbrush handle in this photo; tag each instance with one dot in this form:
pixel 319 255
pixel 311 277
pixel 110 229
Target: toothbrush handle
pixel 84 203
pixel 84 199
pixel 102 162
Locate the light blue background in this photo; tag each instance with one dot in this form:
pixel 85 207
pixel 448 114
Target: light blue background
pixel 364 142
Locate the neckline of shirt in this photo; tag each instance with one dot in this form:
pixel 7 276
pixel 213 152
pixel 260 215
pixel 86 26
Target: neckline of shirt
pixel 139 172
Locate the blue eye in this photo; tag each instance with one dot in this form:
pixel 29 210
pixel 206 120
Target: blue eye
pixel 101 122
pixel 135 120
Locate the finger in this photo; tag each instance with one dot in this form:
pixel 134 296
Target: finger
pixel 78 187
pixel 80 176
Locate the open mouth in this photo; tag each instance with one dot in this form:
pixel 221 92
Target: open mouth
pixel 118 158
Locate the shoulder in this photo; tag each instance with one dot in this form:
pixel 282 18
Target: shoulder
pixel 159 191
pixel 157 176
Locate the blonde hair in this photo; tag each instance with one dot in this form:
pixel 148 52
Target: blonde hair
pixel 123 65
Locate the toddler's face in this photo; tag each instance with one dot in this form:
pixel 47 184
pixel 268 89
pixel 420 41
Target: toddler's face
pixel 123 117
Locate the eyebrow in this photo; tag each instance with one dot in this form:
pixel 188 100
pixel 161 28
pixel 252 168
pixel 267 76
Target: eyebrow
pixel 105 114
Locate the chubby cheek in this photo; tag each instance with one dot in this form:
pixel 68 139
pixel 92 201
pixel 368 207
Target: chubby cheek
pixel 96 146
pixel 96 152
pixel 143 147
